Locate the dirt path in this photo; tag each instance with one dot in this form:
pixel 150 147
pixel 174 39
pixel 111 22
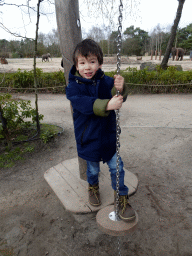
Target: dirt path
pixel 156 145
pixel 54 64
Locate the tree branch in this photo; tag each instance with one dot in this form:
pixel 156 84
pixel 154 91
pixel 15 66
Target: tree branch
pixel 14 34
pixel 50 2
pixel 21 6
pixel 18 5
pixel 27 6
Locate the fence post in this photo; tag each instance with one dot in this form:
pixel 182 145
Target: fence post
pixel 156 54
pixel 151 54
pixel 160 54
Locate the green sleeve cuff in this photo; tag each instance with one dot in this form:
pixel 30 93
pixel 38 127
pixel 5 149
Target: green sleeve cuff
pixel 124 92
pixel 99 107
pixel 113 91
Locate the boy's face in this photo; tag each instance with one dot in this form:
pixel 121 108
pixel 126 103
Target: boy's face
pixel 87 67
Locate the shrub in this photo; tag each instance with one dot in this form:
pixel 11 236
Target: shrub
pixel 15 55
pixel 14 114
pixel 25 79
pixel 155 81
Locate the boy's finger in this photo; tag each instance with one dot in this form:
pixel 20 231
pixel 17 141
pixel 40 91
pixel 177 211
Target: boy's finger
pixel 117 76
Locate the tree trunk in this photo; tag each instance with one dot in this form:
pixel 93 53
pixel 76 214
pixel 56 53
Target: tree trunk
pixel 173 34
pixel 34 70
pixel 69 28
pixel 5 129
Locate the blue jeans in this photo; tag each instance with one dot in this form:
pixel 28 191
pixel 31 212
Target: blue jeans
pixel 93 169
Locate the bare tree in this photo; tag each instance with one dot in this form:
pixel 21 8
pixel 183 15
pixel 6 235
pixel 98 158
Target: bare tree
pixel 173 34
pixel 108 10
pixel 53 37
pixel 34 70
pixel 96 34
pixel 26 8
pixel 156 39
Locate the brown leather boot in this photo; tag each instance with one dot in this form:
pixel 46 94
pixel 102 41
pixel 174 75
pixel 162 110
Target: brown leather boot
pixel 126 212
pixel 94 196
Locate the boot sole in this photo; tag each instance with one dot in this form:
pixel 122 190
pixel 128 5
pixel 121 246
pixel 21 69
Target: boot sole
pixel 127 220
pixel 95 205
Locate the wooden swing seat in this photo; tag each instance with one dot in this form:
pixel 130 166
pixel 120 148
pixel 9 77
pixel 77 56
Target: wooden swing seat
pixel 65 181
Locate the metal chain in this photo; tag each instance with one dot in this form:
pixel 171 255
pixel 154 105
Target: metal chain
pixel 119 39
pixel 119 43
pixel 118 247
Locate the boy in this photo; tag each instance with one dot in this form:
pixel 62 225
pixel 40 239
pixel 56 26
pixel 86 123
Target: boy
pixel 93 98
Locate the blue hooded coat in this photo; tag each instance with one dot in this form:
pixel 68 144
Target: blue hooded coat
pixel 95 128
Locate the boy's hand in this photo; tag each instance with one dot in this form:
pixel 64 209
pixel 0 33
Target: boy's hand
pixel 115 103
pixel 118 82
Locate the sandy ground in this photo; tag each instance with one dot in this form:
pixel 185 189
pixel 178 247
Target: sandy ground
pixel 54 64
pixel 156 145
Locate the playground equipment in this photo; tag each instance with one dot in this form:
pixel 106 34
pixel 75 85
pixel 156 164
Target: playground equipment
pixel 69 184
pixel 108 219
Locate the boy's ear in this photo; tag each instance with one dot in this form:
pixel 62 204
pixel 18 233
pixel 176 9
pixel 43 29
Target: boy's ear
pixel 77 68
pixel 100 66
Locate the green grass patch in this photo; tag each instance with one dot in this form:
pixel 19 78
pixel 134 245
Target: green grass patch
pixel 48 131
pixel 8 158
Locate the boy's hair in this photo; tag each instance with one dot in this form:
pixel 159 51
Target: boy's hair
pixel 88 47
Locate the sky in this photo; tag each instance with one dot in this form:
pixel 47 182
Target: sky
pixel 145 15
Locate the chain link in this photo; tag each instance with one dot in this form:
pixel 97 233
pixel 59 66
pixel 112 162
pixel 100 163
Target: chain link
pixel 119 38
pixel 119 246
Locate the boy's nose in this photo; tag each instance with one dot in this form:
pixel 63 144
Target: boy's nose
pixel 87 66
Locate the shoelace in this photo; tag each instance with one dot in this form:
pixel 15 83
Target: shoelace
pixel 123 201
pixel 95 191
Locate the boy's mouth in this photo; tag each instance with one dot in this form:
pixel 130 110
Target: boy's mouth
pixel 89 74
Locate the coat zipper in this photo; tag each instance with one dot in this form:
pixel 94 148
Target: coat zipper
pixel 84 133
